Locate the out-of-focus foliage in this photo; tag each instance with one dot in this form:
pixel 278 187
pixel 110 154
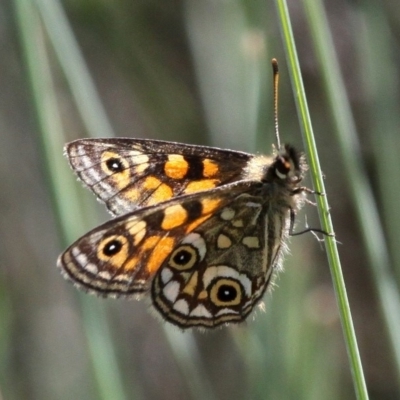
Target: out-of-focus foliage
pixel 196 72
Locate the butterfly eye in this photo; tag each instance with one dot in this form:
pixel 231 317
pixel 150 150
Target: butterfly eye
pixel 282 168
pixel 226 292
pixel 184 257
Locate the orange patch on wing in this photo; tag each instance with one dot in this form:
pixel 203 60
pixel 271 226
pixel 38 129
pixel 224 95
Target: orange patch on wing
pixel 209 205
pixel 203 295
pixel 174 216
pixel 151 182
pixel 196 223
pixel 160 250
pixel 131 264
pixel 210 168
pixel 132 194
pixel 190 287
pixel 162 193
pixel 176 167
pixel 197 186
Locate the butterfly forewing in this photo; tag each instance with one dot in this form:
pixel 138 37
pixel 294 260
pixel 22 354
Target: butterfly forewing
pixel 128 250
pixel 130 173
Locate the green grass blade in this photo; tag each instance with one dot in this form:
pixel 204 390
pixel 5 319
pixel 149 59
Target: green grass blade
pixel 323 208
pixel 71 60
pixel 52 139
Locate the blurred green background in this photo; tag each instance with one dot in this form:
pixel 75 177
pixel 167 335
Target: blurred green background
pixel 195 71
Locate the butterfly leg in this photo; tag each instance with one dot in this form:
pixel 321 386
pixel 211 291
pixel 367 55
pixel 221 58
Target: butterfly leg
pixel 302 189
pixel 307 190
pixel 315 230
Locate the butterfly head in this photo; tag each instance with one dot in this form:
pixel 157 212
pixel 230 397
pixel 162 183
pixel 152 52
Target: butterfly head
pixel 288 166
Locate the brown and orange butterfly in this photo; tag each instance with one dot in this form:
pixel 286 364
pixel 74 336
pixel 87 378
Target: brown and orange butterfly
pixel 202 230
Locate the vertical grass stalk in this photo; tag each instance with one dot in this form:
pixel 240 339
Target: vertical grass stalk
pixel 322 202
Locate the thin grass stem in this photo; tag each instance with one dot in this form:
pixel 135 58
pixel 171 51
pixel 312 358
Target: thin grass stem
pixel 322 202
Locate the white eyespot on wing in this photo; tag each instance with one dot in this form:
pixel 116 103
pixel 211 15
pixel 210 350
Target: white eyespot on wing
pixel 227 214
pixel 135 153
pixel 122 278
pixel 201 311
pixel 226 310
pixel 182 307
pixel 237 223
pixel 223 241
pixel 251 242
pixel 171 291
pixel 140 159
pixel 81 258
pixel 104 275
pixel 198 242
pixel 91 268
pixel 166 275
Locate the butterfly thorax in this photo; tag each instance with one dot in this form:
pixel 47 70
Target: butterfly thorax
pixel 280 176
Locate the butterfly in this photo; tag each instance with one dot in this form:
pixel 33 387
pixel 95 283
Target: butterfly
pixel 200 230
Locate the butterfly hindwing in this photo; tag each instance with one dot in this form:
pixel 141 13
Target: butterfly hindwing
pixel 207 257
pixel 219 271
pixel 127 174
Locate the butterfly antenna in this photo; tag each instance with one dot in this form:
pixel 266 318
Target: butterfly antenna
pixel 275 70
